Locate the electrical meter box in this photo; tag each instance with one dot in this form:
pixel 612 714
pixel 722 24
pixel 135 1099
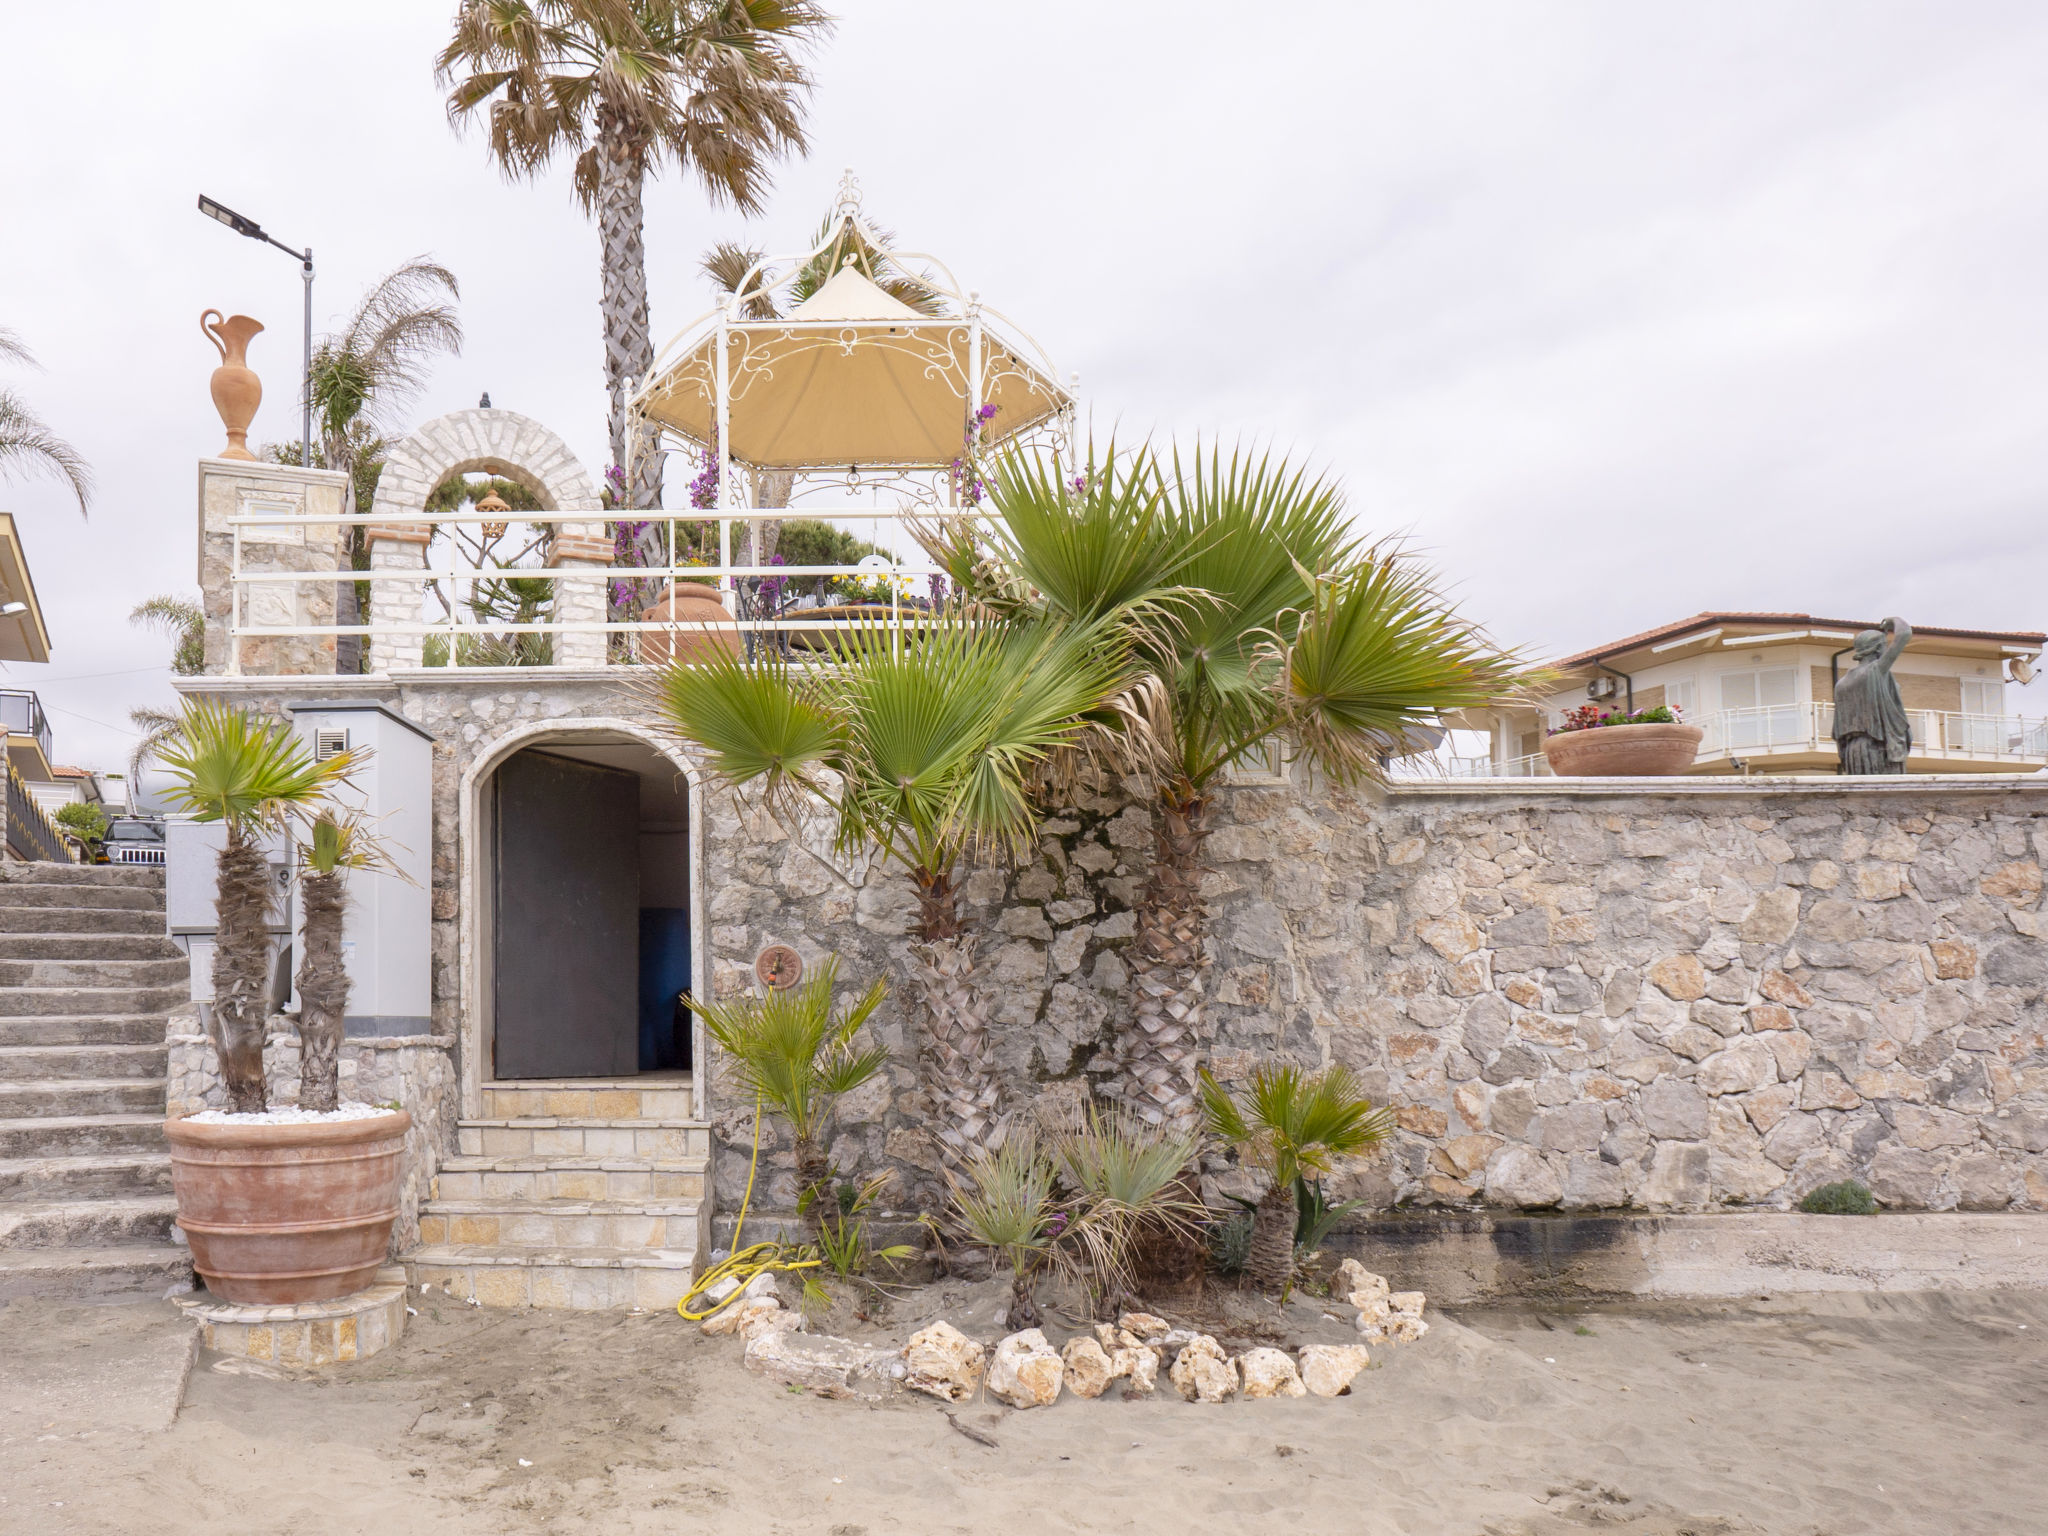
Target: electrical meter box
pixel 387 929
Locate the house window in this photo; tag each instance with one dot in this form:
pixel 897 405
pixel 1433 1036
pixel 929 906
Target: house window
pixel 1981 726
pixel 1682 694
pixel 1761 708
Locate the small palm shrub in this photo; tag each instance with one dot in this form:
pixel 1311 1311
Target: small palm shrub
pixel 334 846
pixel 1291 1123
pixel 1846 1198
pixel 798 1055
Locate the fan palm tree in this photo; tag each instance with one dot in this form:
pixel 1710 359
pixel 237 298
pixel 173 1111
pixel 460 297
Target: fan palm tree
pixel 26 443
pixel 1254 614
pixel 715 87
pixel 334 846
pixel 797 1054
pixel 254 776
pixel 1291 1124
pixel 922 745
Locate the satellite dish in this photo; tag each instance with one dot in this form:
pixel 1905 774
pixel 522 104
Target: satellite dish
pixel 2021 669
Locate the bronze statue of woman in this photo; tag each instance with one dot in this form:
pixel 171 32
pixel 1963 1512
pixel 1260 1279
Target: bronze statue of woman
pixel 1871 731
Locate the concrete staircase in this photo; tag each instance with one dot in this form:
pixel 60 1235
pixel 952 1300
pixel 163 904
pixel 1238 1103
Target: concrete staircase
pixel 87 978
pixel 579 1194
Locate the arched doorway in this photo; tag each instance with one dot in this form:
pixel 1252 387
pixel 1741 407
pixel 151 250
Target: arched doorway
pixel 582 919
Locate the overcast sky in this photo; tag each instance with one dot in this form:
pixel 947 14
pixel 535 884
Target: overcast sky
pixel 1620 311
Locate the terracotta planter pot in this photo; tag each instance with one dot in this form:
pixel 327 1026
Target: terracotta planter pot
pixel 285 1213
pixel 688 602
pixel 1623 751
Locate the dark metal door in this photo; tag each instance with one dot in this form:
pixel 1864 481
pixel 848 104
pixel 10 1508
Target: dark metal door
pixel 566 982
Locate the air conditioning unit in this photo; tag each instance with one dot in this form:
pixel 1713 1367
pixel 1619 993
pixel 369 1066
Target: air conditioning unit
pixel 1600 688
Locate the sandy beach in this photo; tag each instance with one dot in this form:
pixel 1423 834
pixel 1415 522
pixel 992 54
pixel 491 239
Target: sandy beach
pixel 1904 1413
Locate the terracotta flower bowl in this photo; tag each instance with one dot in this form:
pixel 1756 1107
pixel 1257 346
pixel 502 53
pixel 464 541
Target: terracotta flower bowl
pixel 1623 751
pixel 692 603
pixel 278 1214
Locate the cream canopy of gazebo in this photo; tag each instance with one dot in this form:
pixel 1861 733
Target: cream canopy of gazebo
pixel 851 377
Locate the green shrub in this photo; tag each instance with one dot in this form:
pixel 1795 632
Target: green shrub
pixel 1230 1243
pixel 1847 1198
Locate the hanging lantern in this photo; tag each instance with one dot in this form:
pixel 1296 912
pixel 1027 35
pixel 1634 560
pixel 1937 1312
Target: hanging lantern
pixel 493 502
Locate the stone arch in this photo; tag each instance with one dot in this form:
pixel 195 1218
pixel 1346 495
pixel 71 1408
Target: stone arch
pixel 472 945
pixel 486 441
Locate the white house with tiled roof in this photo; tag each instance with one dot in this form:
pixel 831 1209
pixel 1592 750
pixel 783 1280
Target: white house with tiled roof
pixel 1761 685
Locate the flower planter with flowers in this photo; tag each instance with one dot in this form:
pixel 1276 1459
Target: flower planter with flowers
pixel 1596 744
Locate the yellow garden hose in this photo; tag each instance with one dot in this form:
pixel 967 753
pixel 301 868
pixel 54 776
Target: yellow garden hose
pixel 745 1263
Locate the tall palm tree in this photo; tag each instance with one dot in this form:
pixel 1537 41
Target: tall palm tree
pixel 26 443
pixel 714 87
pixel 922 745
pixel 1254 614
pixel 254 776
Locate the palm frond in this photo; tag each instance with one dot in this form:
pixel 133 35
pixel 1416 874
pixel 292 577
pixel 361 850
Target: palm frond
pixel 1293 1120
pixel 754 720
pixel 1003 1200
pixel 232 766
pixel 27 445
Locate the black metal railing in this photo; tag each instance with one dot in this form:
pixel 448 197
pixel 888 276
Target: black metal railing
pixel 30 832
pixel 21 712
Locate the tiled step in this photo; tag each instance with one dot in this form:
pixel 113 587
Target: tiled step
pixel 582 1279
pixel 544 1135
pixel 84 1029
pixel 571 1178
pixel 96 971
pixel 82 897
pixel 88 946
pixel 72 921
pixel 86 1176
pixel 88 1135
pixel 87 1223
pixel 127 1272
pixel 55 1063
pixel 21 1002
pixel 670 1224
pixel 82 1097
pixel 130 876
pixel 626 1098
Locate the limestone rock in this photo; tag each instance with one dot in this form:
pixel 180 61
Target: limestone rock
pixel 1519 1176
pixel 1202 1373
pixel 1138 1365
pixel 1359 1284
pixel 1746 1065
pixel 1327 1370
pixel 737 1317
pixel 1681 977
pixel 1025 1372
pixel 827 1366
pixel 1089 1370
pixel 944 1362
pixel 1144 1327
pixel 1269 1373
pixel 775 1319
pixel 1407 1303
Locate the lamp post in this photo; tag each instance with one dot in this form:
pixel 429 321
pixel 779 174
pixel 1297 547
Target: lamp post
pixel 254 231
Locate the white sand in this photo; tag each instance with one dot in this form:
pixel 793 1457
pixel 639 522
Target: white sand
pixel 288 1115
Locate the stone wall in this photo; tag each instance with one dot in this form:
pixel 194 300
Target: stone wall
pixel 1676 994
pixel 413 1071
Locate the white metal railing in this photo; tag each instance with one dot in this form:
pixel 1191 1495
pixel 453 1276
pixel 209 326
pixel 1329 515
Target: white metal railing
pixel 755 596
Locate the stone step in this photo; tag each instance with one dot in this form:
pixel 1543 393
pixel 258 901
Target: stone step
pixel 86 1176
pixel 20 1002
pixel 134 876
pixel 623 1098
pixel 571 1178
pixel 130 1272
pixel 90 946
pixel 83 897
pixel 53 1063
pixel 570 1136
pixel 569 1224
pixel 62 1135
pixel 580 1279
pixel 85 1029
pixel 72 922
pixel 96 972
pixel 87 1223
pixel 81 1097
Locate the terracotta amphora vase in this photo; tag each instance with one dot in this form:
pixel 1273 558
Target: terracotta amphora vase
pixel 236 389
pixel 689 603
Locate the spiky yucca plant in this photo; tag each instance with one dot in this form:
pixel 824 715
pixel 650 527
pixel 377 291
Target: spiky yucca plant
pixel 254 776
pixel 1290 1123
pixel 797 1052
pixel 1005 1200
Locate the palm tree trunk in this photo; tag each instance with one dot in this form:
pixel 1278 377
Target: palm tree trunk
pixel 1271 1261
pixel 962 1080
pixel 1024 1311
pixel 323 993
pixel 814 1173
pixel 628 342
pixel 1168 968
pixel 241 969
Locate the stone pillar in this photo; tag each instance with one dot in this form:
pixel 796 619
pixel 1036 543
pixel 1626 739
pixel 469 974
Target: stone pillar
pixel 396 547
pixel 581 599
pixel 243 488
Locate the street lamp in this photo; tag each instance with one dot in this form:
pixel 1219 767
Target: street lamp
pixel 254 231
